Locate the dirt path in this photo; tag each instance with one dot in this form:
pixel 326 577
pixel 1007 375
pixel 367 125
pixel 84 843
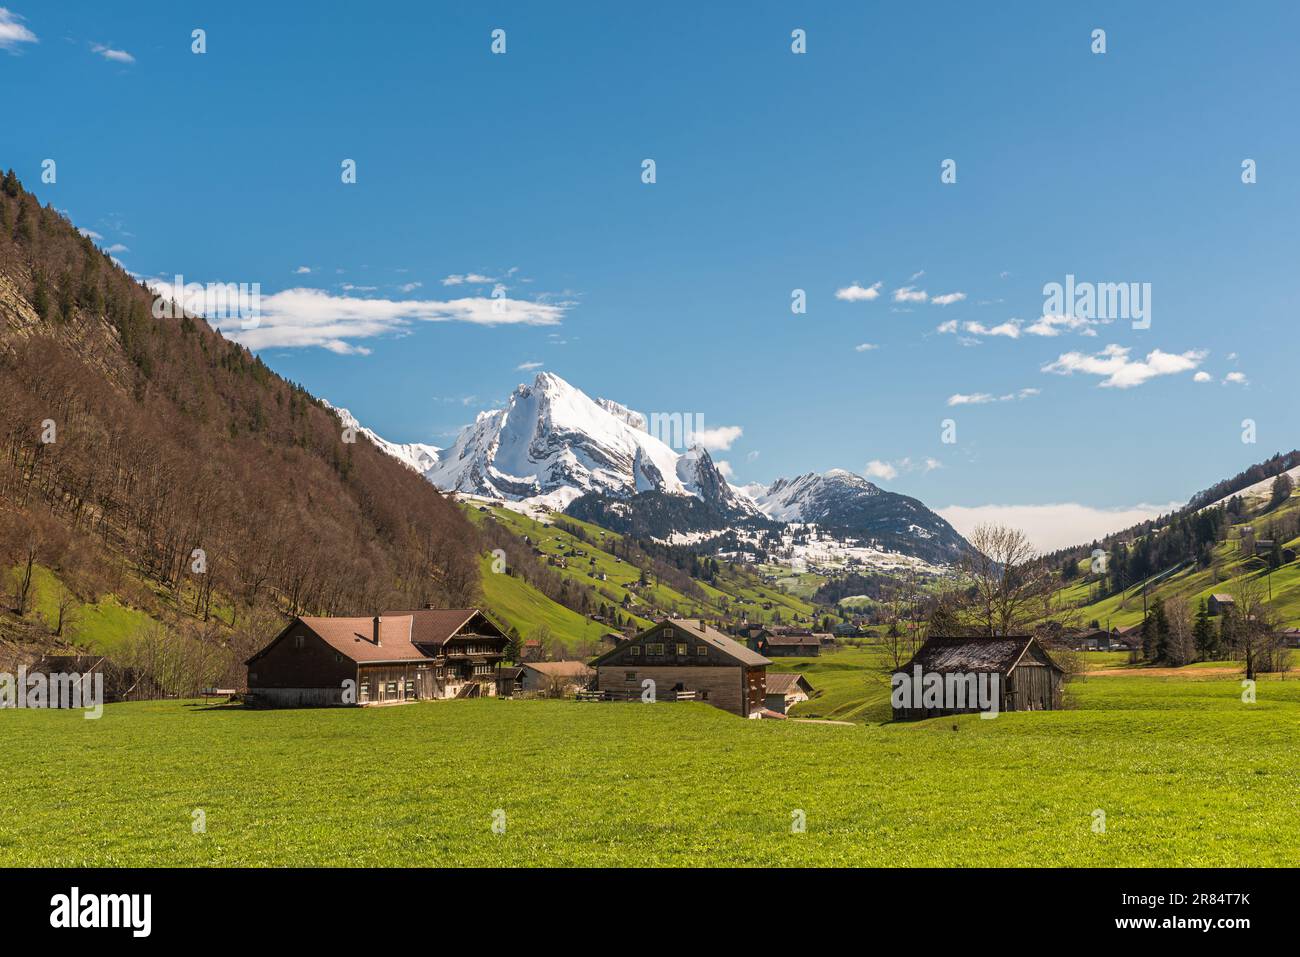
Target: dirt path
pixel 1215 672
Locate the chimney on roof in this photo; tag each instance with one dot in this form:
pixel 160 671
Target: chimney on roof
pixel 376 624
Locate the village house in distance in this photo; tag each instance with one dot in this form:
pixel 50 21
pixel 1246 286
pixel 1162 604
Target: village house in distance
pixel 1027 677
pixel 686 660
pixel 393 657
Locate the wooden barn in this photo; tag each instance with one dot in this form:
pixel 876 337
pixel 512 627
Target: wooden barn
pixel 390 658
pixel 1220 602
pixel 555 677
pixel 784 690
pixel 1027 677
pixel 686 660
pixel 786 645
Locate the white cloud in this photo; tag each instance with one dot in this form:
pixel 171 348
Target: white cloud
pixel 1051 527
pixel 1235 378
pixel 297 318
pixel 948 298
pixel 90 234
pixel 949 326
pixel 752 457
pixel 1055 325
pixel 108 53
pixel 117 248
pixel 12 32
pixel 932 464
pixel 1009 329
pixel 1202 377
pixel 303 270
pixel 909 294
pixel 986 398
pixel 916 275
pixel 1120 371
pixel 473 279
pixel 719 439
pixel 725 468
pixel 881 470
pixel 973 398
pixel 528 366
pixel 865 347
pixel 410 286
pixel 856 293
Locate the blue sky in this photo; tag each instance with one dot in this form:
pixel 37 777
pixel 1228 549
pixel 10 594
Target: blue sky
pixel 775 172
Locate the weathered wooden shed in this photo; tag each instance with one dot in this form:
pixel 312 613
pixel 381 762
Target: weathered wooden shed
pixel 1027 677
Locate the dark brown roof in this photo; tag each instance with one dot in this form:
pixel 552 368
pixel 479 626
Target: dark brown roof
pixel 783 683
pixel 514 674
pixel 717 639
pixel 354 637
pixel 974 654
pixel 434 626
pixel 792 640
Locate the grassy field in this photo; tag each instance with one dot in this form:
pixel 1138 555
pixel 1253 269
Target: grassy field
pixel 1185 773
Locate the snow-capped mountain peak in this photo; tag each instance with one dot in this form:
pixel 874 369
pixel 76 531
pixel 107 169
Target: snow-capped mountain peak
pixel 419 456
pixel 553 443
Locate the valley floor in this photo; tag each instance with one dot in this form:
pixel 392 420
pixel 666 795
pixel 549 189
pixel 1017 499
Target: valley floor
pixel 1184 772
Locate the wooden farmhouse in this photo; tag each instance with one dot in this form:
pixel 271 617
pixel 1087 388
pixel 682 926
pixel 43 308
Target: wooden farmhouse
pixel 686 660
pixel 786 644
pixel 1028 678
pixel 390 658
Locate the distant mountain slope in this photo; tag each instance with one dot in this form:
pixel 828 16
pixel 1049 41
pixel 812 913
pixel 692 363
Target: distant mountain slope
pixel 848 505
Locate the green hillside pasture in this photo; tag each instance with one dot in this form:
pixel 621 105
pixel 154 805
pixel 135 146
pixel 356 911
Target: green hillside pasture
pixel 852 684
pixel 1184 772
pixel 99 626
pixel 514 602
pixel 621 578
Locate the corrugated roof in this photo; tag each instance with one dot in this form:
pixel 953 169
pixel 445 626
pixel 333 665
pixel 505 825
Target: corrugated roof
pixel 779 682
pixel 563 669
pixel 971 654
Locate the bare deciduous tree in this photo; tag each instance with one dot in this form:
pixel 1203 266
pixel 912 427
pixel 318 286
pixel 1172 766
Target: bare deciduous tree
pixel 1005 577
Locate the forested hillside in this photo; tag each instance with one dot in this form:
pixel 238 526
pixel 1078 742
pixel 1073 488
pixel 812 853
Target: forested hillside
pixel 154 463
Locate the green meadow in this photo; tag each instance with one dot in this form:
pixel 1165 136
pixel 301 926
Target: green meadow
pixel 1184 772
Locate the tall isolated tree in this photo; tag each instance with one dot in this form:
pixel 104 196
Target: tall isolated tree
pixel 1203 634
pixel 1283 486
pixel 1005 576
pixel 1253 625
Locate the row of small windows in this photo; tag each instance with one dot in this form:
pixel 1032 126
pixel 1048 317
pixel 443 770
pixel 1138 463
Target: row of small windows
pixel 657 648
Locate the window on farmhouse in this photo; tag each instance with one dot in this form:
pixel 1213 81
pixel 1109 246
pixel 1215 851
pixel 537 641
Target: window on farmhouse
pixel 636 651
pixel 702 651
pixel 681 647
pixel 631 676
pixel 299 641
